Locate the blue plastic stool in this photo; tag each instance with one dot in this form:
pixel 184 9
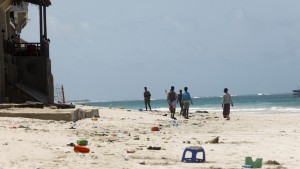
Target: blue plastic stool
pixel 194 151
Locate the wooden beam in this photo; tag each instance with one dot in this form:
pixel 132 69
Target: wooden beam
pixel 45 22
pixel 41 23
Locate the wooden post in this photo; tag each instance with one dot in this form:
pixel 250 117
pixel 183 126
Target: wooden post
pixel 63 94
pixel 41 23
pixel 45 22
pixel 2 74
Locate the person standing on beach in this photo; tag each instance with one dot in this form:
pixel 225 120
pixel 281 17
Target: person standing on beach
pixel 147 96
pixel 186 101
pixel 172 97
pixel 226 104
pixel 179 101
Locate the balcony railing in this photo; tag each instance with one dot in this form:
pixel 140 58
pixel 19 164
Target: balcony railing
pixel 26 49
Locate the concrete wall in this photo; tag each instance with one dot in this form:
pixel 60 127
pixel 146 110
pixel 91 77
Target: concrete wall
pixel 35 72
pixel 32 71
pixel 65 115
pixel 82 114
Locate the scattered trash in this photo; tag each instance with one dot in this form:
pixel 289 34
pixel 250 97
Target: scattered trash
pixel 254 164
pixel 136 138
pixel 142 162
pixel 131 151
pixel 82 142
pixel 73 125
pixel 174 122
pixel 153 148
pixel 213 141
pixel 154 128
pixel 120 137
pixel 71 144
pixel 247 166
pixel 272 162
pixel 199 111
pixel 81 149
pixel 22 126
pixel 94 118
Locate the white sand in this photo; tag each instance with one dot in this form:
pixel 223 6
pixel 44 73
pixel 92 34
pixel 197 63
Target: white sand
pixel 32 143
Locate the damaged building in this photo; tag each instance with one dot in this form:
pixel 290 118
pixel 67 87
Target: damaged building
pixel 25 67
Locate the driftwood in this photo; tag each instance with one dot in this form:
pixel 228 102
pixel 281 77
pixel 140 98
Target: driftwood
pixel 199 111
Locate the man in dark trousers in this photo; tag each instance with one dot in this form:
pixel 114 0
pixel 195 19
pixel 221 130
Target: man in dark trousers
pixel 226 101
pixel 147 97
pixel 180 103
pixel 172 97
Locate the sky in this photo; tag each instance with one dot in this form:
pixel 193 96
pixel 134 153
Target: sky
pixel 110 50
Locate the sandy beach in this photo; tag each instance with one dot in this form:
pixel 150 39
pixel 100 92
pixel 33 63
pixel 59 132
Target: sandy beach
pixel 121 138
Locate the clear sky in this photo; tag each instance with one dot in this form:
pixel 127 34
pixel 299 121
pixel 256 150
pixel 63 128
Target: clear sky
pixel 109 50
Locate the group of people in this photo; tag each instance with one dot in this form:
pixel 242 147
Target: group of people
pixel 184 100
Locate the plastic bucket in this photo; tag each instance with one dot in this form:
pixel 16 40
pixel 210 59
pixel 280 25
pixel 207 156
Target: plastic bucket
pixel 254 164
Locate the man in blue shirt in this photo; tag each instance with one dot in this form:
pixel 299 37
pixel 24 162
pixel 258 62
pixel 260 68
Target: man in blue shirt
pixel 186 100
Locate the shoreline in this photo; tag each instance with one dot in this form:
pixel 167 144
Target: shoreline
pixel 246 103
pixel 209 110
pixel 32 143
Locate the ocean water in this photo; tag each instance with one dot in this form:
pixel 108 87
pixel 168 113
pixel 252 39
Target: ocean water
pixel 245 103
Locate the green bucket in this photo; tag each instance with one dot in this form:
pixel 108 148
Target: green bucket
pixel 257 163
pixel 254 164
pixel 82 142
